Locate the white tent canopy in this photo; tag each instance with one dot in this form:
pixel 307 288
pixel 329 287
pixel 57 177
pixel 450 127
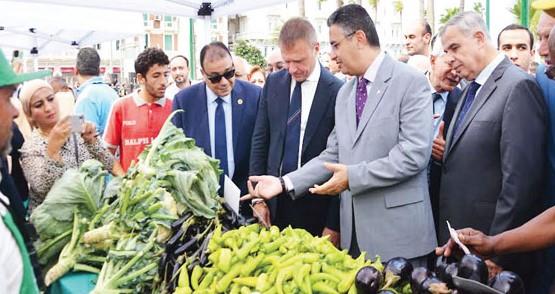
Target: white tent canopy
pixel 188 8
pixel 51 28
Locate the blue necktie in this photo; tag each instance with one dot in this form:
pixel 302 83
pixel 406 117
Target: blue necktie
pixel 293 135
pixel 220 140
pixel 468 99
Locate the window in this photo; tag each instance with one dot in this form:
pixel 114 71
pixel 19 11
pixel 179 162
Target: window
pixel 117 44
pixel 145 19
pixel 168 42
pixel 168 20
pixel 146 41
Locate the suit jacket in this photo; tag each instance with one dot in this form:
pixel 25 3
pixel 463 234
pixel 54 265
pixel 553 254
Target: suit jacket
pixel 312 212
pixel 435 166
pixel 386 158
pixel 194 122
pixel 493 167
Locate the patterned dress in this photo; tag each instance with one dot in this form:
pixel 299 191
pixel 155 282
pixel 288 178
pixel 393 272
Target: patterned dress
pixel 42 171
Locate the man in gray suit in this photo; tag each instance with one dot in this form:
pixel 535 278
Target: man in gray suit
pixel 493 164
pixel 376 156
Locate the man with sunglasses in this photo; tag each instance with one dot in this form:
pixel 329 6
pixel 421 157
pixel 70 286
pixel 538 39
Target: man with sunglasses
pixel 295 118
pixel 220 113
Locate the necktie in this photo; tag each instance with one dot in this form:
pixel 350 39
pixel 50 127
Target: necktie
pixel 437 103
pixel 293 135
pixel 220 140
pixel 468 99
pixel 361 97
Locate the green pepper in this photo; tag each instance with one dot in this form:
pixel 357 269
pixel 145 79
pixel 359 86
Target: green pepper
pixel 207 280
pixel 282 276
pixel 181 290
pixel 195 276
pixel 245 290
pixel 261 283
pixel 245 250
pixel 224 282
pixel 316 268
pixel 251 264
pixel 323 277
pixel 246 281
pixel 183 280
pixel 224 263
pixel 235 289
pixel 324 288
pixel 273 246
pixel 300 276
pixel 347 281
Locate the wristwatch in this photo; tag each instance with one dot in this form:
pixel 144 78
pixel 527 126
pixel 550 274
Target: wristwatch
pixel 283 186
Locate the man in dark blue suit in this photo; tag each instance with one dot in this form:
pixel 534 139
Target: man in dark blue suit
pixel 296 116
pixel 445 95
pixel 220 113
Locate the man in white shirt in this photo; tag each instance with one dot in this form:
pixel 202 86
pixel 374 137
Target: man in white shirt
pixel 179 69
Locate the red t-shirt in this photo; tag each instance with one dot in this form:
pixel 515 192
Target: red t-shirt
pixel 133 124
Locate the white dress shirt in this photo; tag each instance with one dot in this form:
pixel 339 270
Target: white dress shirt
pixel 212 104
pixel 308 90
pixel 487 71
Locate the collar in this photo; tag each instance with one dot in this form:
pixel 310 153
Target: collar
pixel 139 101
pixel 315 74
pixel 372 70
pixel 488 70
pixel 211 96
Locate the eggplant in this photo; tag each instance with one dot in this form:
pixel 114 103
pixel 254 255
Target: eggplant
pixel 173 241
pixel 508 282
pixel 441 264
pixel 418 276
pixel 189 246
pixel 397 271
pixel 474 268
pixel 368 280
pixel 387 291
pixel 176 225
pixel 433 285
pixel 204 250
pixel 450 271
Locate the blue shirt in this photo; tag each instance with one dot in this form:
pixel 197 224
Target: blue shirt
pixel 94 100
pixel 439 109
pixel 212 104
pixel 548 88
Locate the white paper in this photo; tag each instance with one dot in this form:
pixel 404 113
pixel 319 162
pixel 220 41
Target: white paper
pixel 232 193
pixel 455 237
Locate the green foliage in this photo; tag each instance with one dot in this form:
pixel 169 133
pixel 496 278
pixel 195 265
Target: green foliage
pixel 398 6
pixel 479 8
pixel 533 14
pixel 446 16
pixel 250 53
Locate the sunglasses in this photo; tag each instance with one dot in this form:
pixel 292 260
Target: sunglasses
pixel 227 75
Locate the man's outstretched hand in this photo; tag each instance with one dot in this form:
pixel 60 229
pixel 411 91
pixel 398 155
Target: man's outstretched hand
pixel 267 187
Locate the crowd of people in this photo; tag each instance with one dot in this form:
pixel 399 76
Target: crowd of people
pixel 374 153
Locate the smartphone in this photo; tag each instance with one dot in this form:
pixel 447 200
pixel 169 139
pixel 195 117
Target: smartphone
pixel 77 122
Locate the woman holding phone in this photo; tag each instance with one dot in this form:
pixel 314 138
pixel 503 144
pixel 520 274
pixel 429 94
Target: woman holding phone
pixel 52 149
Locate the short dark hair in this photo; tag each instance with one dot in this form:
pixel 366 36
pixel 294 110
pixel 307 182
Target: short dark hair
pixel 427 27
pixel 88 62
pixel 214 50
pixel 512 27
pixel 352 18
pixel 148 58
pixel 297 29
pixel 181 56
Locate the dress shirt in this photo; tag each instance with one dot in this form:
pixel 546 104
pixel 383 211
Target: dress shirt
pixel 487 71
pixel 212 104
pixel 439 109
pixel 308 90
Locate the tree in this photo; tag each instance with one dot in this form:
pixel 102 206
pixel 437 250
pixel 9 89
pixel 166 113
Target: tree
pixel 533 14
pixel 250 53
pixel 449 12
pixel 430 14
pixel 479 8
pixel 461 5
pixel 398 6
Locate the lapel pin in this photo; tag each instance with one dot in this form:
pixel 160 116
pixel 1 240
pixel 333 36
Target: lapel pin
pixel 239 101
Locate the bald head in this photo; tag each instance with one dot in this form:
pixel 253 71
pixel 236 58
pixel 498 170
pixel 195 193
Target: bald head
pixel 417 38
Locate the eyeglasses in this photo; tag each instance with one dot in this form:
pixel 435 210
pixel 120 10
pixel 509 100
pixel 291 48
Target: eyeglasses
pixel 335 45
pixel 228 75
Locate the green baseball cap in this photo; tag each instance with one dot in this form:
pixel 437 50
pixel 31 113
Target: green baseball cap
pixel 9 77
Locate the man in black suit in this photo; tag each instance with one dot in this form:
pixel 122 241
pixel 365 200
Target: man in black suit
pixel 295 117
pixel 445 95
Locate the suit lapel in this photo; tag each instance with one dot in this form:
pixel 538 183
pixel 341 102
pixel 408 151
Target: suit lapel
pixel 237 106
pixel 485 92
pixel 317 109
pixel 203 140
pixel 351 109
pixel 377 90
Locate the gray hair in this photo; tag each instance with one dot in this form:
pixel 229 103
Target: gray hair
pixel 297 29
pixel 467 22
pixel 88 62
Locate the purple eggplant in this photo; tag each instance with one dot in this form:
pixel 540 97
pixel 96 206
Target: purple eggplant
pixel 450 271
pixel 474 268
pixel 387 291
pixel 368 280
pixel 508 282
pixel 418 276
pixel 397 272
pixel 441 264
